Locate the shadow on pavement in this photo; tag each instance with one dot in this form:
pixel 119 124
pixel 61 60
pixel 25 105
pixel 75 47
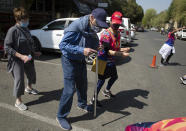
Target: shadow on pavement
pixel 121 60
pixel 47 97
pixel 123 100
pixel 132 44
pixel 175 64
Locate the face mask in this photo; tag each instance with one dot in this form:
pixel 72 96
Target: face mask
pixel 96 28
pixel 115 26
pixel 24 24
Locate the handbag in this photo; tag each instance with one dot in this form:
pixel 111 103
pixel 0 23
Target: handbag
pixel 101 66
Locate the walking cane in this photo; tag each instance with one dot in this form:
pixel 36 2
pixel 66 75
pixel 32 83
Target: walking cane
pixel 95 89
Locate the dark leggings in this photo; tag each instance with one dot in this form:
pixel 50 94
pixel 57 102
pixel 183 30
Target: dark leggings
pixel 109 85
pixel 168 58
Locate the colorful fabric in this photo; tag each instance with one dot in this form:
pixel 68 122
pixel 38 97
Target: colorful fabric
pixel 175 124
pixel 108 37
pixel 166 50
pixel 171 39
pixel 109 42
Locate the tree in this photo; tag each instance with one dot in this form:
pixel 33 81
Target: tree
pixel 129 8
pixel 159 20
pixel 133 11
pixel 149 15
pixel 177 12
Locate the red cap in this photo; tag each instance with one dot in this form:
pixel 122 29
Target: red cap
pixel 117 17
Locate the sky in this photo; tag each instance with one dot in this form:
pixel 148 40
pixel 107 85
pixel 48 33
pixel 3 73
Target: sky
pixel 158 5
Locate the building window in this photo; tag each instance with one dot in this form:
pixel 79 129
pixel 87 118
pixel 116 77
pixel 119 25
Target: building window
pixel 6 4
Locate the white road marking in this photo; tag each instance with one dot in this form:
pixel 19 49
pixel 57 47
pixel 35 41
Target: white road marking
pixel 38 117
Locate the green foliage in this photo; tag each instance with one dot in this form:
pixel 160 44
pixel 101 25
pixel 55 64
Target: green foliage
pixel 159 20
pixel 148 17
pixel 128 8
pixel 177 12
pixel 134 11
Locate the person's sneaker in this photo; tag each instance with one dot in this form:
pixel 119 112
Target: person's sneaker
pixel 98 104
pixel 31 91
pixel 108 94
pixel 64 124
pixel 21 106
pixel 87 108
pixel 183 80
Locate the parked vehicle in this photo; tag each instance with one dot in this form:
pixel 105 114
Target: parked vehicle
pixel 154 29
pixel 132 30
pixel 181 34
pixel 127 29
pixel 140 29
pixel 49 36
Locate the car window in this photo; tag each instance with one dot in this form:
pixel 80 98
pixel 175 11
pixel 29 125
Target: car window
pixel 184 30
pixel 70 21
pixel 57 25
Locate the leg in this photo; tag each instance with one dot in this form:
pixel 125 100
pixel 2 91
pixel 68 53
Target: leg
pixel 31 77
pixel 162 60
pixel 99 85
pixel 168 58
pixel 18 75
pixel 111 82
pixel 69 88
pixel 81 85
pixel 114 77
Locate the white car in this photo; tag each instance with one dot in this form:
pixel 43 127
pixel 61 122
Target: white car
pixel 50 35
pixel 153 29
pixel 181 34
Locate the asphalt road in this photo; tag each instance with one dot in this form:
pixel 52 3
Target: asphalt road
pixel 142 93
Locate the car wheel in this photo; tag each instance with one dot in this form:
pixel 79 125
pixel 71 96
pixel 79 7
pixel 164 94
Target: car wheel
pixel 37 44
pixel 89 59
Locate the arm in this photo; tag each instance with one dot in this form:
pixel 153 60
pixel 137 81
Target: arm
pixel 70 43
pixel 9 41
pixel 125 49
pixel 117 53
pixel 9 46
pixel 174 31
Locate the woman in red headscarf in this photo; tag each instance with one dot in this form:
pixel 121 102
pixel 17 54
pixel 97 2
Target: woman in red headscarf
pixel 110 41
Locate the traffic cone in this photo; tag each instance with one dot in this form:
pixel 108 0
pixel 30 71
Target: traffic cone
pixel 153 65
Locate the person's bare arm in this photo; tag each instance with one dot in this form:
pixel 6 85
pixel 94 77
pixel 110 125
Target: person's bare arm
pixel 118 53
pixel 125 49
pixel 24 58
pixel 174 31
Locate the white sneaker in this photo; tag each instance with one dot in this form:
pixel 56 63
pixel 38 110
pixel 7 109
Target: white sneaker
pixel 21 106
pixel 31 91
pixel 183 80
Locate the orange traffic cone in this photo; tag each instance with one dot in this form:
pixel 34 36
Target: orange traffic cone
pixel 153 65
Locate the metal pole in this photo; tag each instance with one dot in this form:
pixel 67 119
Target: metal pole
pixel 95 90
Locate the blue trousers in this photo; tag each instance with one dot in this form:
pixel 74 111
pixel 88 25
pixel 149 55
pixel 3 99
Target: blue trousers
pixel 75 79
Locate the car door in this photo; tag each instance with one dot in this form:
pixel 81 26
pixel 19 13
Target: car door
pixel 52 34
